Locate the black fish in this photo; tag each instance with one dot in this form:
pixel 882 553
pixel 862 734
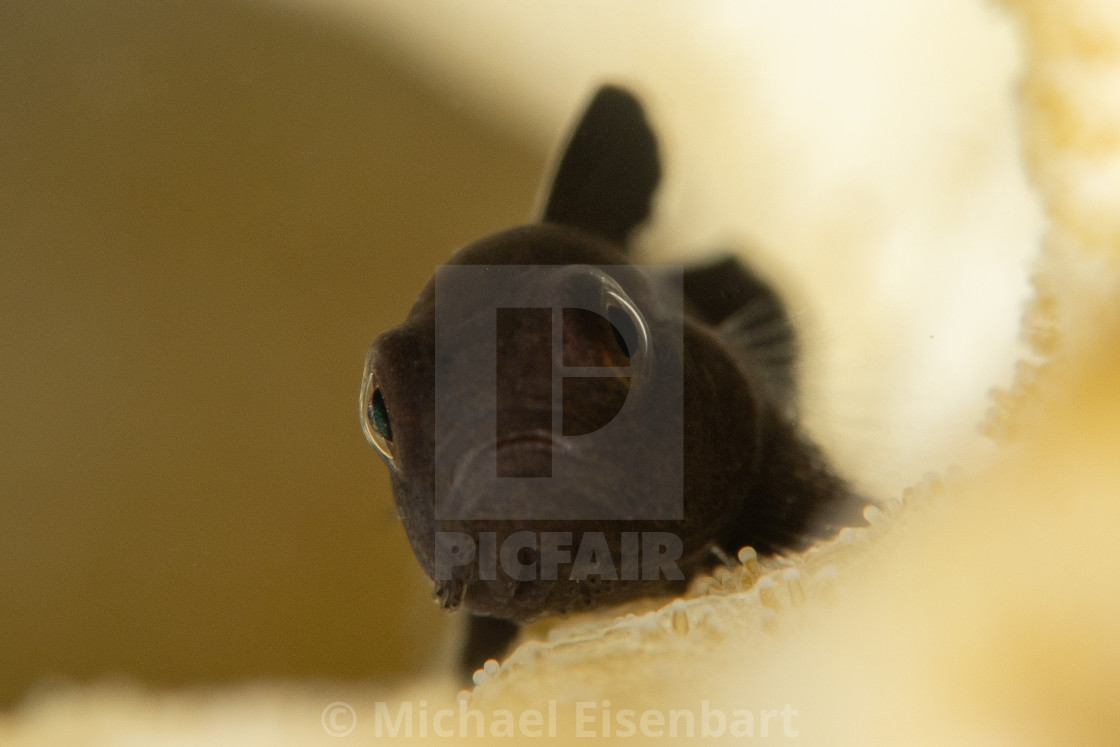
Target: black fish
pixel 565 429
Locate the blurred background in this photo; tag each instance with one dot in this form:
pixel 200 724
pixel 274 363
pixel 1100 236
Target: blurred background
pixel 207 213
pixel 209 209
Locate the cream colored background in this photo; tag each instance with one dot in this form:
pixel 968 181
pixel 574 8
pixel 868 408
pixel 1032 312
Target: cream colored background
pixel 208 211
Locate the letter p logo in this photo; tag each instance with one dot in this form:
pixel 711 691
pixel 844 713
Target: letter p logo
pixel 593 380
pixel 557 397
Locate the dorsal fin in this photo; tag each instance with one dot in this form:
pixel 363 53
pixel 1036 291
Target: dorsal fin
pixel 605 179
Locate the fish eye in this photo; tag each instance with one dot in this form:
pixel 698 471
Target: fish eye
pixel 625 333
pixel 376 423
pixel 629 327
pixel 379 414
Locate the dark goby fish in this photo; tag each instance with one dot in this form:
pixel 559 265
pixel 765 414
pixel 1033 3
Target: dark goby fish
pixel 565 429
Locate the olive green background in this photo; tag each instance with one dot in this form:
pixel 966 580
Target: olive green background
pixel 208 210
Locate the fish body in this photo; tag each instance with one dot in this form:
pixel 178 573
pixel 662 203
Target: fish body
pixel 565 428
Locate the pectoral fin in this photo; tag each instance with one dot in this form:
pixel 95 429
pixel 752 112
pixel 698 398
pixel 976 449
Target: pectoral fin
pixel 751 317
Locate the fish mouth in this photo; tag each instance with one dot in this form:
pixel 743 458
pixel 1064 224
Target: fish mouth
pixel 535 439
pixel 501 478
pixel 526 454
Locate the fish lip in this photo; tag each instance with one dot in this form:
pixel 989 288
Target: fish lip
pixel 467 463
pixel 536 438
